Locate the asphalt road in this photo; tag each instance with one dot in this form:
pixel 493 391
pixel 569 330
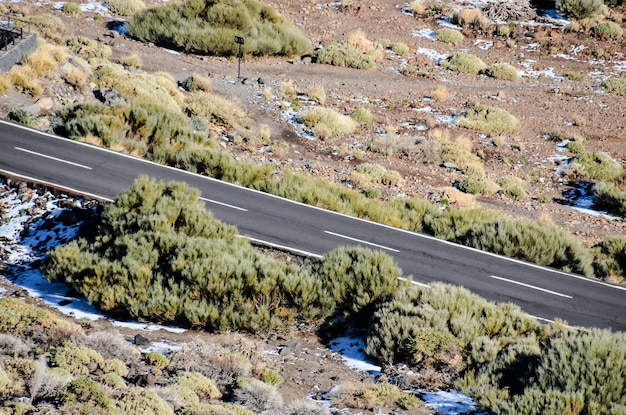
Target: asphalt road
pixel 542 292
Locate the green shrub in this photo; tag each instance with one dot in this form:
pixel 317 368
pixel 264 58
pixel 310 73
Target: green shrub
pixel 113 380
pixel 502 71
pixel 336 123
pixel 447 35
pixel 75 359
pixel 143 401
pixel 72 9
pixel 476 185
pixel 157 359
pixel 362 115
pixel 489 119
pixel 257 396
pixel 400 48
pixel 125 8
pixel 608 29
pixel 579 9
pixel 597 165
pixel 576 147
pixel 372 193
pixel 355 278
pixel 615 86
pixel 271 377
pixel 464 63
pixel 21 116
pixel 512 187
pixel 574 76
pixel 88 48
pixel 204 387
pixel 574 373
pixel 432 325
pixel 88 395
pixel 209 27
pixel 344 55
pixel 610 197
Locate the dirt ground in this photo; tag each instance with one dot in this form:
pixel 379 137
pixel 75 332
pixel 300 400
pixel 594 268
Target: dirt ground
pixel 544 104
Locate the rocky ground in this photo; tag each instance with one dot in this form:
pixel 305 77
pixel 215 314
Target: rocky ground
pixel 546 103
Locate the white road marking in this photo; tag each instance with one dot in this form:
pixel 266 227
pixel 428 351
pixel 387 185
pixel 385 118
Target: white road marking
pixel 419 284
pixel 361 241
pixel 53 158
pixel 531 286
pixel 223 204
pixel 282 247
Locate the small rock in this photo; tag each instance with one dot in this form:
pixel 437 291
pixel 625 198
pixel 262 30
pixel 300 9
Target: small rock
pixel 141 340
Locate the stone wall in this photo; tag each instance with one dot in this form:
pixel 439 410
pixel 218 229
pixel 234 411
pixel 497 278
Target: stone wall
pixel 15 53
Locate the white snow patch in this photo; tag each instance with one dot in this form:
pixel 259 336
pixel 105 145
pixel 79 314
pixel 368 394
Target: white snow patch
pixel 483 44
pixel 425 33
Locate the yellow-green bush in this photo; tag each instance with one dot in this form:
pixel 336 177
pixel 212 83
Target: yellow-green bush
pixel 502 71
pixel 204 387
pixel 615 86
pixel 125 8
pixel 464 63
pixel 597 165
pixel 336 123
pixel 72 9
pixel 362 115
pixel 610 197
pixel 142 401
pixel 400 48
pixel 447 35
pixel 512 187
pixel 88 48
pixel 209 27
pixel 608 29
pixel 579 9
pixel 75 359
pixel 87 396
pixel 344 55
pixel 47 26
pixel 489 119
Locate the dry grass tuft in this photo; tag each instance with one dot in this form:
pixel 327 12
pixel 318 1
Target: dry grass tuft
pixel 440 93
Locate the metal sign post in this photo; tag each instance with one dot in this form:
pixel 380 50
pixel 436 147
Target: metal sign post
pixel 240 41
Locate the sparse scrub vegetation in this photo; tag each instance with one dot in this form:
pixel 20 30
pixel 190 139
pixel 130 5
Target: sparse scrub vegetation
pixel 489 119
pixel 24 79
pixel 464 63
pixel 47 26
pixel 125 8
pixel 447 35
pixel 472 18
pixel 208 27
pixel 131 61
pixel 502 71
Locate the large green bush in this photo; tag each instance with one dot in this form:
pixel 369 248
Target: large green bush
pixel 210 26
pixel 156 253
pixel 436 323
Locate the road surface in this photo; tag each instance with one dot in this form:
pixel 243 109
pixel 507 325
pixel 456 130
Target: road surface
pixel 542 292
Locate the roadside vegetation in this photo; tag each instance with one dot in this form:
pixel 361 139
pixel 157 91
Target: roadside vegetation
pixel 157 254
